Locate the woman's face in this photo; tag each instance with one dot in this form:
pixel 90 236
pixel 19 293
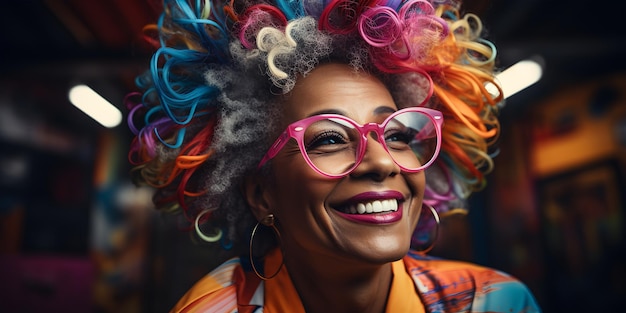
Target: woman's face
pixel 312 210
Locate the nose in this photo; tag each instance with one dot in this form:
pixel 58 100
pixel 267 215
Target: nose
pixel 376 164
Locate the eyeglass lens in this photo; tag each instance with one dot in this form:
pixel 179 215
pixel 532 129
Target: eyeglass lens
pixel 333 144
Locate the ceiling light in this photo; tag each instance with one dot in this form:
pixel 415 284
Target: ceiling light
pixel 518 77
pixel 94 105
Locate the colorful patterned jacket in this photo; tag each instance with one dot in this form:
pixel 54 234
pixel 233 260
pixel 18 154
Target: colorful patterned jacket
pixel 440 286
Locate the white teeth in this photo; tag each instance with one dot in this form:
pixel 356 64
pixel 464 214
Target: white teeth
pixel 376 206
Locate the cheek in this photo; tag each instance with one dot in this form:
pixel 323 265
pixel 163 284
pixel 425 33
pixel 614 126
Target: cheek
pixel 299 206
pixel 417 185
pixel 297 186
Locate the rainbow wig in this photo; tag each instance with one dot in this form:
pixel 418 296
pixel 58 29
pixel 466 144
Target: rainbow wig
pixel 209 99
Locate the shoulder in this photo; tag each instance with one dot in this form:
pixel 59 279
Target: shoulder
pixel 215 292
pixel 454 286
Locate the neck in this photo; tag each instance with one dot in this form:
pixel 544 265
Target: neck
pixel 330 285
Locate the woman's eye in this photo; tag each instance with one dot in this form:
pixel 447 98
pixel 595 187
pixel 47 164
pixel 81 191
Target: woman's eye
pixel 400 137
pixel 326 140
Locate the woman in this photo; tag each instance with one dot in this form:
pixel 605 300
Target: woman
pixel 308 137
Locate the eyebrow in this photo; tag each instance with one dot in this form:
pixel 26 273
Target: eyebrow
pixel 329 111
pixel 378 110
pixel 384 109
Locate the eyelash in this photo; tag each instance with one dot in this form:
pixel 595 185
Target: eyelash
pixel 315 142
pixel 403 136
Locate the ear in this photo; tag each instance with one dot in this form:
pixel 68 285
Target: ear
pixel 256 189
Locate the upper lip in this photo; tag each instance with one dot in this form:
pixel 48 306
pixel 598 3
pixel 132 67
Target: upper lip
pixel 375 195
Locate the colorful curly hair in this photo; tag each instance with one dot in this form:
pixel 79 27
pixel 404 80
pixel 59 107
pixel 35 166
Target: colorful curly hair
pixel 208 101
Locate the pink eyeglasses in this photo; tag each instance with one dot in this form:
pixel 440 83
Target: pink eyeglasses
pixel 334 145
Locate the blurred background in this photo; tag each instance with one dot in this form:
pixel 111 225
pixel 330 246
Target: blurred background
pixel 77 236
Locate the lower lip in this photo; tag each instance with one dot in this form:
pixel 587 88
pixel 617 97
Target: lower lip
pixel 375 218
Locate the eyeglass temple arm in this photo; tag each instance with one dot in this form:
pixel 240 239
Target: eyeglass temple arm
pixel 275 148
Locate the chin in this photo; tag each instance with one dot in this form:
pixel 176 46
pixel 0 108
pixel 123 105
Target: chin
pixel 385 250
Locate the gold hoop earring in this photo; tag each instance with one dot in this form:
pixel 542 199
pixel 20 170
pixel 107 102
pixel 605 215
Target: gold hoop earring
pixel 269 222
pixel 416 235
pixel 213 238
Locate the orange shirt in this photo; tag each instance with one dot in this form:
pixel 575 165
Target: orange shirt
pixel 287 300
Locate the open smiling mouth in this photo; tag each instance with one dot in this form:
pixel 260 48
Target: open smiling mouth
pixel 373 207
pixel 373 212
pixel 376 206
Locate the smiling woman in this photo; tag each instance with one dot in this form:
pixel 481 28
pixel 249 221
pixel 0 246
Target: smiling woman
pixel 313 209
pixel 307 137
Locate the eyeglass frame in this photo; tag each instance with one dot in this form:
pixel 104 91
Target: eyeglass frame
pixel 296 130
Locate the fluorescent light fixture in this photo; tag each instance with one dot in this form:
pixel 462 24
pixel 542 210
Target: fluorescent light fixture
pixel 518 77
pixel 94 105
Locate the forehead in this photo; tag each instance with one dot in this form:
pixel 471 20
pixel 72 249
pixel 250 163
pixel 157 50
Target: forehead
pixel 337 88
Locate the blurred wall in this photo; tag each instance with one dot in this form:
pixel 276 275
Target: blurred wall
pixel 556 201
